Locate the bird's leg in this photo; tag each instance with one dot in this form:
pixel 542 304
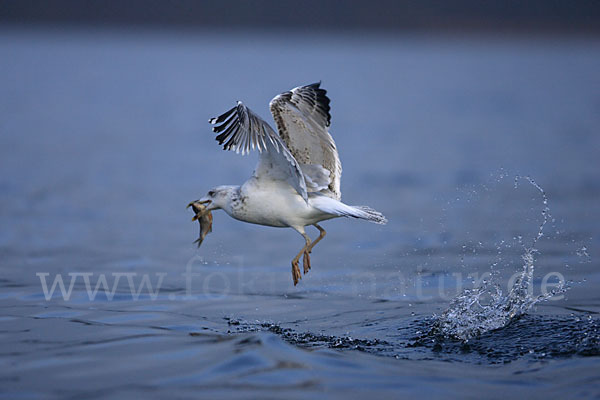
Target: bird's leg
pixel 306 262
pixel 322 234
pixel 295 269
pixel 309 249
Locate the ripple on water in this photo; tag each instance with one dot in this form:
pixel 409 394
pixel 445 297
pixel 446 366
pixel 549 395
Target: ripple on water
pixel 530 336
pixel 527 337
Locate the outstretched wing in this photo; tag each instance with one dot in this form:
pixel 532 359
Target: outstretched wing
pixel 302 117
pixel 240 129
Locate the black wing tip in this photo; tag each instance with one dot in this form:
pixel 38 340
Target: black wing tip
pixel 228 126
pixel 223 117
pixel 322 100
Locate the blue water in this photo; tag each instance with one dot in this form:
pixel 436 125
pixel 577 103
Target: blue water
pixel 104 140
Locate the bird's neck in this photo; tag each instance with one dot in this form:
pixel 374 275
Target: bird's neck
pixel 234 200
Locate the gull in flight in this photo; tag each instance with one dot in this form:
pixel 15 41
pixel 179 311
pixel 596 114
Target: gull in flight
pixel 296 182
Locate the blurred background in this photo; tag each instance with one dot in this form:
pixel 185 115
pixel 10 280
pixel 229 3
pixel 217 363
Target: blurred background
pixel 104 108
pixel 528 16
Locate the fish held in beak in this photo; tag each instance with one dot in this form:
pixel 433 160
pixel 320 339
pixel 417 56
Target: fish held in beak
pixel 204 217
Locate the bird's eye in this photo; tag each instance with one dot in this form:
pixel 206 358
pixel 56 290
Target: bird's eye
pixel 211 193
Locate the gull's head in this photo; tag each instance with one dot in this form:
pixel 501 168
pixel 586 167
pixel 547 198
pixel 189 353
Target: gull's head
pixel 219 197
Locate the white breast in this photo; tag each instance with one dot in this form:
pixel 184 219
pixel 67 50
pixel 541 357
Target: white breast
pixel 272 203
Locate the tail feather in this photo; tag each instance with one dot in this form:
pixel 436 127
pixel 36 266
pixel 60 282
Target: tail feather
pixel 369 214
pixel 334 207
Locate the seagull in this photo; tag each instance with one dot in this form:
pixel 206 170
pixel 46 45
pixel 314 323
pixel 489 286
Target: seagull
pixel 296 182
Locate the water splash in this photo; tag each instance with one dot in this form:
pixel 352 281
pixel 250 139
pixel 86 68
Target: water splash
pixel 487 308
pixel 583 254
